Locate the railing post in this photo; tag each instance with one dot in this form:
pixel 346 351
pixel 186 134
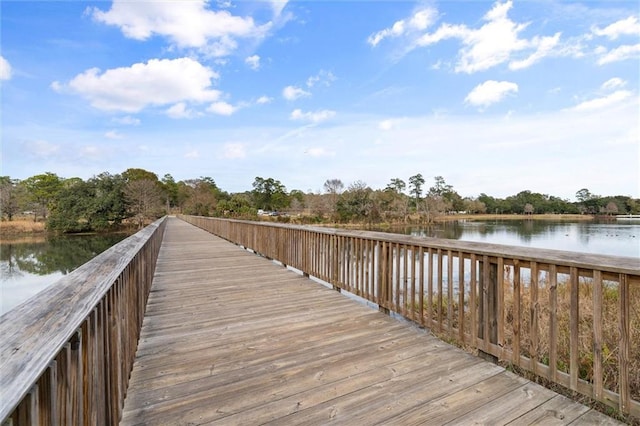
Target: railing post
pixel 76 407
pixel 335 262
pixel 48 395
pixel 488 303
pixel 383 278
pixel 624 358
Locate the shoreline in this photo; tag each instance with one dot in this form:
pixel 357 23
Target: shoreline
pixel 466 217
pixel 25 229
pixel 546 216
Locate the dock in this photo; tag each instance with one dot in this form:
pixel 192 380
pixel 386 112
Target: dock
pixel 233 338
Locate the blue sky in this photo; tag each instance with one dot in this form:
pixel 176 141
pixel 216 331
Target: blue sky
pixel 496 97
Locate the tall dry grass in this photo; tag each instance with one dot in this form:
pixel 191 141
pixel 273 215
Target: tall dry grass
pixel 540 313
pixel 20 227
pixel 610 329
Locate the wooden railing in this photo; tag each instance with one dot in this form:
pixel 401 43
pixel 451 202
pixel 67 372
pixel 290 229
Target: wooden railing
pixel 66 353
pixel 570 318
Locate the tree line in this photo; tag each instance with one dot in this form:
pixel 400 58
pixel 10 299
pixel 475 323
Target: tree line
pixel 106 201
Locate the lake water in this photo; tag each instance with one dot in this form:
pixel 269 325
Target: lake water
pixel 610 238
pixel 27 268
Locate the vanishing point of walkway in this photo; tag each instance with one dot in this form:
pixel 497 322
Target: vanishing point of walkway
pixel 232 338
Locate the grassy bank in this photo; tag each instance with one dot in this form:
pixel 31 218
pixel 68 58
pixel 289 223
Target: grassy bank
pixel 23 229
pixel 20 228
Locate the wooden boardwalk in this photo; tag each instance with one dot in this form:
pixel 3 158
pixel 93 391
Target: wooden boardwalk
pixel 232 338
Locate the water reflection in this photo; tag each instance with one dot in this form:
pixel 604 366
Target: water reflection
pixel 28 267
pixel 611 238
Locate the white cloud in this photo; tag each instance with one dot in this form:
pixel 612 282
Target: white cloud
pixel 292 93
pixel 395 30
pixel 628 26
pixel 620 53
pixel 545 46
pixel 313 117
pixel 253 62
pixel 629 138
pixel 193 153
pixel 493 43
pixel 323 77
pixel 497 41
pixel 490 45
pixel 624 27
pixel 222 108
pixel 127 120
pixel 419 21
pixel 603 102
pixel 389 124
pixel 445 31
pixel 5 69
pixel 277 6
pixel 613 83
pixel 385 125
pixel 189 24
pixel 264 100
pixel 180 110
pixel 157 82
pixel 319 152
pixel 490 92
pixel 92 152
pixel 56 86
pixel 113 134
pixel 223 47
pixel 422 19
pixel 41 148
pixel 234 150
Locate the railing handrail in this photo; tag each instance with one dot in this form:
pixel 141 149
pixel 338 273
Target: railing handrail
pixel 480 295
pixel 609 263
pixel 35 331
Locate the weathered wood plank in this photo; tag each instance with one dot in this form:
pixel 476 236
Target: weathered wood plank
pixel 558 410
pixel 368 404
pixel 502 405
pixel 332 386
pixel 476 398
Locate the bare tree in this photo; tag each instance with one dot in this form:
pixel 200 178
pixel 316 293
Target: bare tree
pixel 611 208
pixel 9 205
pixel 333 187
pixel 434 205
pixel 474 206
pixel 144 199
pixel 317 204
